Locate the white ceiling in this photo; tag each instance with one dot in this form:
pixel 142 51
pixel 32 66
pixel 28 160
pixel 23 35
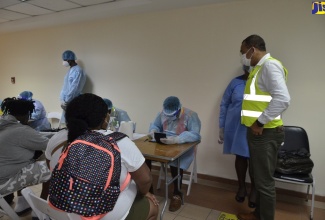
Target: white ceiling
pixel 17 15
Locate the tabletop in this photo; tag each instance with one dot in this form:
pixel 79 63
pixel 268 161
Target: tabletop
pixel 162 152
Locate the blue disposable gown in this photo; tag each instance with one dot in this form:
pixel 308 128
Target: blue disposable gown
pixel 187 127
pixel 39 120
pixel 235 141
pixel 73 84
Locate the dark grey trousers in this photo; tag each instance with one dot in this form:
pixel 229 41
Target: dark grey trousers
pixel 263 158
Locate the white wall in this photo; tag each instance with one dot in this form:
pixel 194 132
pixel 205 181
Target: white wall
pixel 193 53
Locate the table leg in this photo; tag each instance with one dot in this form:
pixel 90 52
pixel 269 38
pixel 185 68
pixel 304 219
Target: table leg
pixel 179 179
pixel 168 182
pixel 166 192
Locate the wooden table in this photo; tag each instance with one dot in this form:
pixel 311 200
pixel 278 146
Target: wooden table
pixel 164 154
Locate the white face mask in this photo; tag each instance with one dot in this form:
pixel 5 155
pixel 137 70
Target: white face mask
pixel 245 61
pixel 65 63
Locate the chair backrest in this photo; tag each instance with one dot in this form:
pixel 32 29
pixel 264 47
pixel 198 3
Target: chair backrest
pixel 6 209
pixel 295 138
pixel 54 115
pixel 40 205
pixel 56 153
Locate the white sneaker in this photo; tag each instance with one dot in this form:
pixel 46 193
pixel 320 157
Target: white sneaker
pixel 22 206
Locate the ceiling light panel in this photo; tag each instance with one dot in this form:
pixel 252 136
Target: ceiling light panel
pixel 28 9
pixel 91 2
pixel 54 5
pixel 3 20
pixel 6 3
pixel 10 15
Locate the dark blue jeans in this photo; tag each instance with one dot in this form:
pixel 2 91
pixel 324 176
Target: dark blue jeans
pixel 263 158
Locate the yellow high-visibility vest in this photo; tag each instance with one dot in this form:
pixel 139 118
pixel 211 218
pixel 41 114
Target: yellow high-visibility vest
pixel 255 101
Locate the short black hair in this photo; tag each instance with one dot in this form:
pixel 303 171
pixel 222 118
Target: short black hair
pixel 85 112
pixel 255 41
pixel 17 107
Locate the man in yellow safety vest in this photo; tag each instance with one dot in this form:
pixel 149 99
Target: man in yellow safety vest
pixel 266 97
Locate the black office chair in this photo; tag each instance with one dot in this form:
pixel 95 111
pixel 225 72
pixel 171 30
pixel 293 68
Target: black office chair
pixel 296 138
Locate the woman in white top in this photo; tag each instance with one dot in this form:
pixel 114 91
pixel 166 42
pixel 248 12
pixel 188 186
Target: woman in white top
pixel 86 113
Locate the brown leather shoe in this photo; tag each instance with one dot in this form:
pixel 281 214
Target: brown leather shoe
pixel 247 216
pixel 175 203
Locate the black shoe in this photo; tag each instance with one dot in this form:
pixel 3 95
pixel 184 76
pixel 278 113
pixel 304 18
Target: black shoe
pixel 251 204
pixel 9 198
pixel 252 199
pixel 240 199
pixel 24 211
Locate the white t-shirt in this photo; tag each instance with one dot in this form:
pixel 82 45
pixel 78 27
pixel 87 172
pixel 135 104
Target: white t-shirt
pixel 131 159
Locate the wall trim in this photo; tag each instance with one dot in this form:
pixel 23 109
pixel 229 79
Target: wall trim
pixel 221 180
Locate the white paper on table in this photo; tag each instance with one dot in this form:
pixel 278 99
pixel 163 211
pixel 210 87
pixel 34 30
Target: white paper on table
pixel 137 136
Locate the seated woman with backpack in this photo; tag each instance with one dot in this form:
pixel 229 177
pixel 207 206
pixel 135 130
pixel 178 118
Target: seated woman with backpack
pixel 100 174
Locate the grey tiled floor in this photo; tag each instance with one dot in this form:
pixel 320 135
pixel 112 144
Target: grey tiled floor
pixel 187 211
pixel 207 198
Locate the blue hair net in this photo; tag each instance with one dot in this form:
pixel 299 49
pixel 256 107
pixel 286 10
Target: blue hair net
pixel 108 103
pixel 68 55
pixel 171 105
pixel 26 95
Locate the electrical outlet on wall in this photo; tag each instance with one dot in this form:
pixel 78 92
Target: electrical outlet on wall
pixel 13 80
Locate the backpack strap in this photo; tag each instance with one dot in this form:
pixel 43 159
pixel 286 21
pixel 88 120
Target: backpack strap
pixel 65 153
pixel 117 135
pixel 125 182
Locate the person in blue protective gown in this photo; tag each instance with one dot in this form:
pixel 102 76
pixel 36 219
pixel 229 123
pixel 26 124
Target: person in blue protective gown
pixel 232 134
pixel 181 125
pixel 115 113
pixel 74 80
pixel 38 119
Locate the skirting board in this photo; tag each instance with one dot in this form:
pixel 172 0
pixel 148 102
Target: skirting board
pixel 202 178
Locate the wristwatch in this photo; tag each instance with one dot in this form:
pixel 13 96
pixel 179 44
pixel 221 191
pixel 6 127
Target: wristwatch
pixel 259 124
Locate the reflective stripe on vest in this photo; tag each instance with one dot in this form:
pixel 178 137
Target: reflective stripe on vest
pixel 254 114
pixel 256 101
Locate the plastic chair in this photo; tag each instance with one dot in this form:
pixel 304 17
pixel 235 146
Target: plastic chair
pixel 296 138
pixel 43 210
pixel 56 154
pixel 6 209
pixel 188 179
pixel 54 115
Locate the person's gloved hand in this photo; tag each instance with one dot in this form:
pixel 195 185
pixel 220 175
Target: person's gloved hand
pixel 170 140
pixel 221 135
pixel 151 134
pixel 64 105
